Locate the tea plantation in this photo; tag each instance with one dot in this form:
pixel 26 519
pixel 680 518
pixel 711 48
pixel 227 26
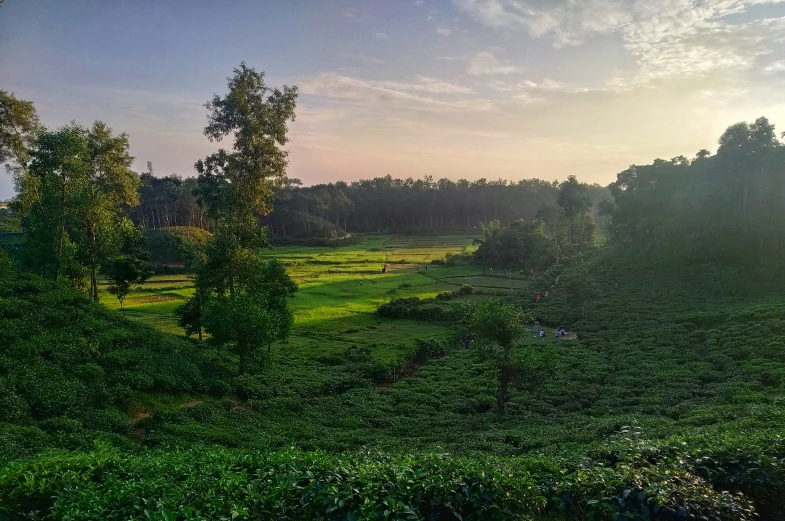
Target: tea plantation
pixel 667 405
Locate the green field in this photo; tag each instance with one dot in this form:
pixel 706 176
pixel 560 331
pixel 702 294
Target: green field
pixel 339 291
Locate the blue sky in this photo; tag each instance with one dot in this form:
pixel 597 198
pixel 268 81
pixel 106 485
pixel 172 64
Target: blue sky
pixel 448 88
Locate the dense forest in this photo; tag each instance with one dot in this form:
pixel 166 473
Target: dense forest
pixel 382 203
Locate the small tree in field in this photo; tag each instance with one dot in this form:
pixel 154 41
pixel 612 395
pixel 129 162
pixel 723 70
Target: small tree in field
pixel 499 324
pixel 124 273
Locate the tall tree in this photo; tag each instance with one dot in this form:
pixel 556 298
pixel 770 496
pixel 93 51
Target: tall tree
pixel 111 190
pixel 19 129
pixel 237 185
pixel 246 296
pixel 52 190
pixel 575 200
pixel 76 192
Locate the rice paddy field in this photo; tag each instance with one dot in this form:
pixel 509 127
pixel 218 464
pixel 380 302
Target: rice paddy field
pixel 340 290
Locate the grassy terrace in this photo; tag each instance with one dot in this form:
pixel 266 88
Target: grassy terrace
pixel 340 289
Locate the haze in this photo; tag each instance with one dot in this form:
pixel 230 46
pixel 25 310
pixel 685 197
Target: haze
pixel 456 89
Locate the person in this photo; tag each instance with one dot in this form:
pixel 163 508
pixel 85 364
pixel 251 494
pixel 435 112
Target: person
pixel 426 267
pixel 542 333
pixel 361 283
pixel 539 296
pixel 418 269
pixel 491 270
pixel 467 341
pixel 561 333
pixel 536 326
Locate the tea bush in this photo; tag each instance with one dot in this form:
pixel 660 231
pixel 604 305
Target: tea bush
pixel 69 368
pixel 215 483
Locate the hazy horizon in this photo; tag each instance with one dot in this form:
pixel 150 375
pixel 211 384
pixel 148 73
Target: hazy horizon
pixel 449 88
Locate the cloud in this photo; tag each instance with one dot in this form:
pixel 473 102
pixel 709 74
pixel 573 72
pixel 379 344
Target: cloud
pixel 666 38
pixel 366 60
pixel 420 84
pixel 351 14
pixel 422 94
pixel 486 64
pixel 778 66
pixel 419 3
pixel 382 36
pixel 443 31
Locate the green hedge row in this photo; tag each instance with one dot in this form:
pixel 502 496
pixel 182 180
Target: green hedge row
pixel 629 480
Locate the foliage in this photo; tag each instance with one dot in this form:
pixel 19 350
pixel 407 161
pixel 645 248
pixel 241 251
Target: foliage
pixel 711 208
pixel 69 368
pixel 238 184
pixel 217 483
pixel 417 309
pixel 166 245
pixel 124 272
pixel 19 129
pixel 559 230
pixel 73 194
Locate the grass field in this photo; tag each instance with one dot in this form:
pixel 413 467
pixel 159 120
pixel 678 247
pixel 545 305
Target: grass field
pixel 340 289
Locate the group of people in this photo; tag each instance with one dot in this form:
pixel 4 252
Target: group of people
pixel 538 330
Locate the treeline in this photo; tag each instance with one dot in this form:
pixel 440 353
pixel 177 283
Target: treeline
pixel 386 203
pixel 369 205
pixel 726 206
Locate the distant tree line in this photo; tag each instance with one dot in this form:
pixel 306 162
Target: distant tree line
pixel 369 205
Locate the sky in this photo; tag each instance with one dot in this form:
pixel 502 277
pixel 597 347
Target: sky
pixel 468 89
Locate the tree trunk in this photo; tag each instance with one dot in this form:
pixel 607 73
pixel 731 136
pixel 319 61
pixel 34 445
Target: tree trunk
pixel 199 313
pixel 94 285
pixel 746 181
pixel 93 280
pixel 61 232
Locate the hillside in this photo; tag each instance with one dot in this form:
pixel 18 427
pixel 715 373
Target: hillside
pixel 667 353
pixel 71 370
pixel 165 244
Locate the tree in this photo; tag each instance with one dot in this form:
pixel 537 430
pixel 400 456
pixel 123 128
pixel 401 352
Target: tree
pixel 240 298
pixel 74 193
pixel 124 273
pixel 238 184
pixel 190 313
pixel 19 129
pixel 575 200
pixel 59 171
pixel 112 188
pixel 503 325
pixel 256 314
pixel 128 268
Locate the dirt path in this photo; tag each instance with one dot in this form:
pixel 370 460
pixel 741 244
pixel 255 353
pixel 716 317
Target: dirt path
pixel 137 419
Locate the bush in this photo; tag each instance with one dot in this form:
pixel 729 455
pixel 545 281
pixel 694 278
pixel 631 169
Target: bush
pixel 214 483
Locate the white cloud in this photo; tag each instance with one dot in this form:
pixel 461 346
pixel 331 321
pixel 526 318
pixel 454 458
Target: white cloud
pixel 382 35
pixel 419 3
pixel 486 64
pixel 778 66
pixel 443 31
pixel 418 95
pixel 666 37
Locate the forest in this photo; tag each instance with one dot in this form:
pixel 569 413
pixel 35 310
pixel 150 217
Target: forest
pixel 232 344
